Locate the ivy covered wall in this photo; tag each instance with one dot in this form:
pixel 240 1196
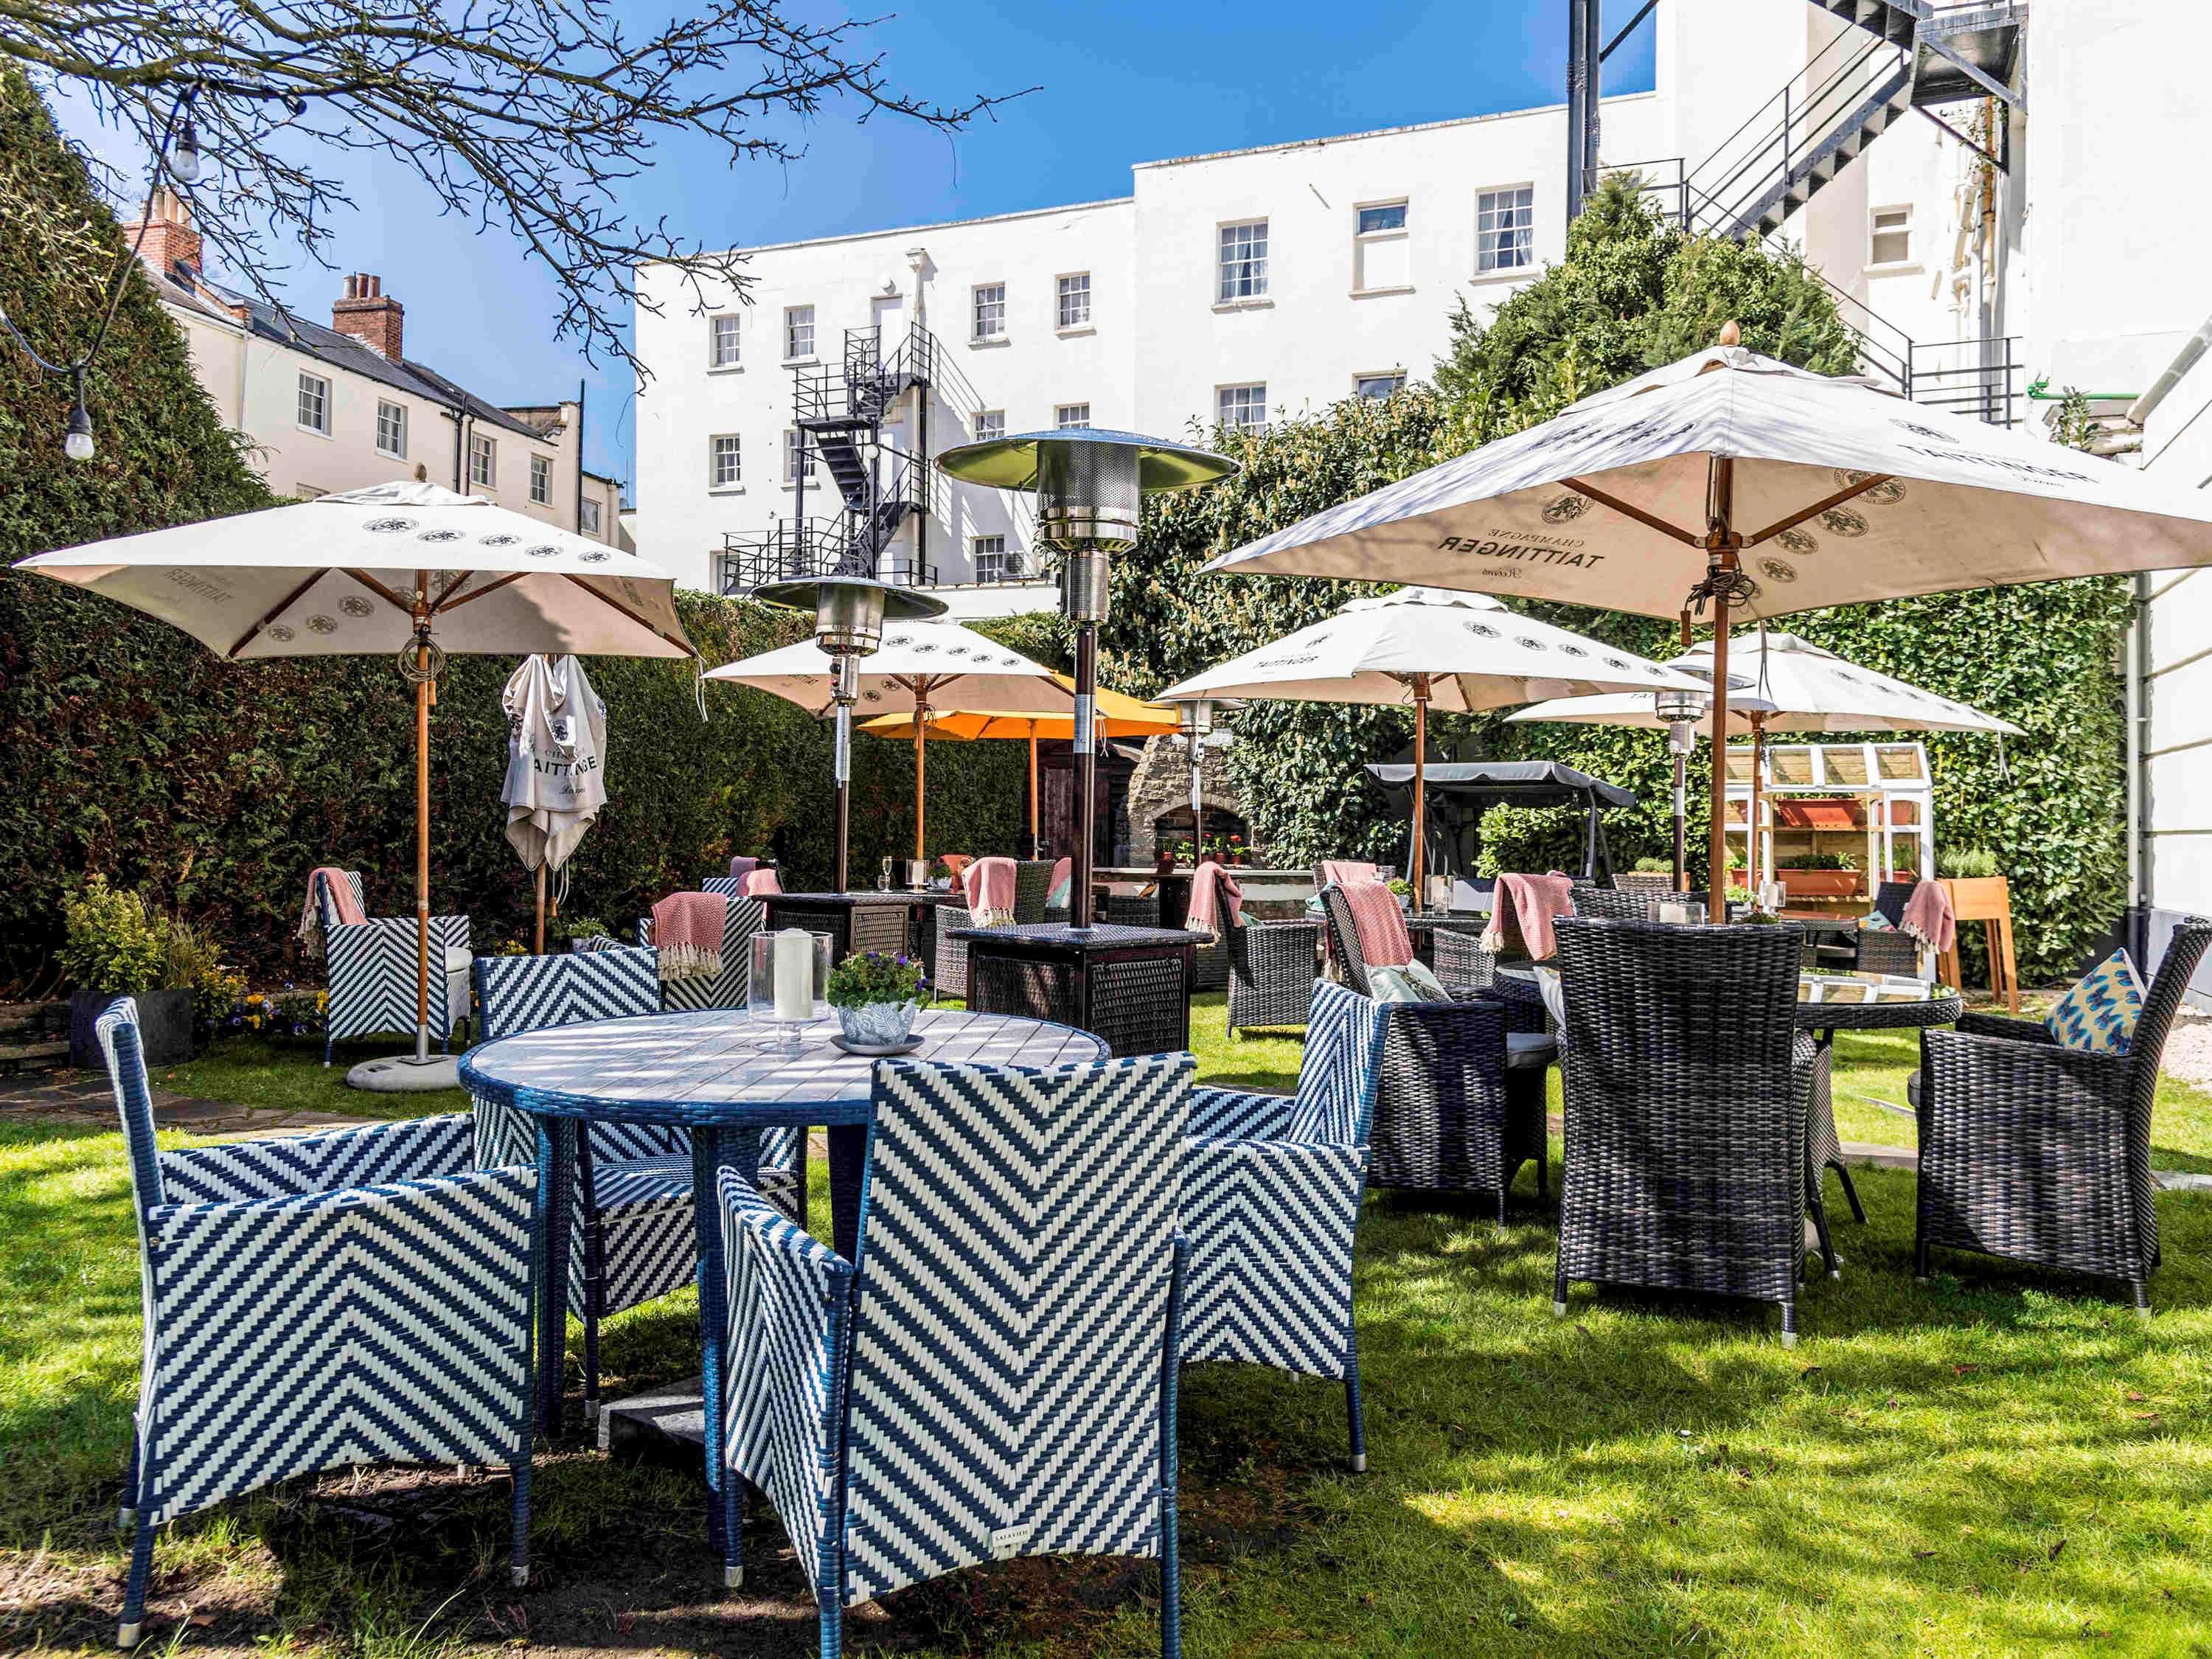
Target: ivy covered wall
pixel 1632 293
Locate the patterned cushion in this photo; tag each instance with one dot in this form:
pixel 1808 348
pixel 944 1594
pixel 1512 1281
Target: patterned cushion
pixel 2098 1016
pixel 1414 982
pixel 1875 923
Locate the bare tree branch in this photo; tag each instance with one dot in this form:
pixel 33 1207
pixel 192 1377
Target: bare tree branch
pixel 525 116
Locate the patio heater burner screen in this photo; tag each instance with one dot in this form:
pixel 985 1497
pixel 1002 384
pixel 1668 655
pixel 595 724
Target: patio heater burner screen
pixel 1088 501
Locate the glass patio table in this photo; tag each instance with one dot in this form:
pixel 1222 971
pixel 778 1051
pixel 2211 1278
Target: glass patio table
pixel 712 1074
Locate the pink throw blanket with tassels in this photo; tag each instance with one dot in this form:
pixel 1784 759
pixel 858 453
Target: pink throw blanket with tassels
pixel 342 900
pixel 1928 917
pixel 1211 888
pixel 1531 902
pixel 990 884
pixel 688 930
pixel 1347 873
pixel 759 883
pixel 1379 924
pixel 742 867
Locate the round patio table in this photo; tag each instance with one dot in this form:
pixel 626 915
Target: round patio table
pixel 1824 1148
pixel 713 1074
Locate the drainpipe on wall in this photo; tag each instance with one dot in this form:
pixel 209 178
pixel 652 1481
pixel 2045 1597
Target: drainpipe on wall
pixel 578 522
pixel 460 450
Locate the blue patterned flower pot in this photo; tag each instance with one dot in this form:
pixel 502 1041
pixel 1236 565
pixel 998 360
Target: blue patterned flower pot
pixel 878 1024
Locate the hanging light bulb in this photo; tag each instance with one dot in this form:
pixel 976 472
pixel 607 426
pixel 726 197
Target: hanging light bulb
pixel 185 154
pixel 78 445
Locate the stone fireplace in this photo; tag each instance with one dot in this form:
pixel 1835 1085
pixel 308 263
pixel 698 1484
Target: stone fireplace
pixel 1158 806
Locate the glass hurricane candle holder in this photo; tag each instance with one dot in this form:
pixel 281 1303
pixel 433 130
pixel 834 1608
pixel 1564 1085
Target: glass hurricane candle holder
pixel 789 985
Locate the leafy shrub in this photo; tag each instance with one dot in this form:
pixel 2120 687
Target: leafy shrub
pixel 114 941
pixel 1813 862
pixel 1649 866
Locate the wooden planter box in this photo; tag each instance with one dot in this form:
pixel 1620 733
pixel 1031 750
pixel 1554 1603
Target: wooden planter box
pixel 1979 898
pixel 1818 884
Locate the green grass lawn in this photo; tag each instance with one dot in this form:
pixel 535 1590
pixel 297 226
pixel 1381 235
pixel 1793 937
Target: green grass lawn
pixel 2003 1462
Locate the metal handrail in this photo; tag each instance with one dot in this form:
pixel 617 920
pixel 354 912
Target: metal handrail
pixel 1813 112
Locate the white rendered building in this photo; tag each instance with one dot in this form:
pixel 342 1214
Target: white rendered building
pixel 326 408
pixel 1234 286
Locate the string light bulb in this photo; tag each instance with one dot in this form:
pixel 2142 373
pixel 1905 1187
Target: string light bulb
pixel 78 445
pixel 185 155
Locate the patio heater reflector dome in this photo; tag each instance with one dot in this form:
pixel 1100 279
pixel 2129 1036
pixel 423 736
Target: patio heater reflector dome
pixel 849 613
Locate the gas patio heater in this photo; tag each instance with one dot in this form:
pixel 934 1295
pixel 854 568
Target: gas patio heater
pixel 1194 728
pixel 1091 487
pixel 849 613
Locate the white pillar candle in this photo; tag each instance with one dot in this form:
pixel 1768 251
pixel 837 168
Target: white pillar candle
pixel 1673 914
pixel 794 975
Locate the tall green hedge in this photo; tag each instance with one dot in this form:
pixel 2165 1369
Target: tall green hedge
pixel 129 750
pixel 1630 294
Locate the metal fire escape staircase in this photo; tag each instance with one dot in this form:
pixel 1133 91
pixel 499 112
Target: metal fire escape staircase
pixel 841 411
pixel 1902 55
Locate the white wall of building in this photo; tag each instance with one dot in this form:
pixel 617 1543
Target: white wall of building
pixel 1163 344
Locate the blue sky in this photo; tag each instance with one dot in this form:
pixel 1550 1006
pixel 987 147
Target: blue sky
pixel 1119 83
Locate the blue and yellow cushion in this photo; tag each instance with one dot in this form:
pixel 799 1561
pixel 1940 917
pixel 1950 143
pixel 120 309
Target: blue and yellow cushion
pixel 2099 1015
pixel 1876 923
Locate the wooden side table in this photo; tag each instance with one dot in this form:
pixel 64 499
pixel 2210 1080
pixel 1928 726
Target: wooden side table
pixel 1987 900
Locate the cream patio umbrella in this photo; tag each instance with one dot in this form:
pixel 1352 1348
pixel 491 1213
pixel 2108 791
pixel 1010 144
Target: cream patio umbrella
pixel 1733 479
pixel 1116 716
pixel 1461 653
pixel 920 668
pixel 405 569
pixel 1797 686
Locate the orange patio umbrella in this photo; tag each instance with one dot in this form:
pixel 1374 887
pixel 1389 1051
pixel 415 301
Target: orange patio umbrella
pixel 1117 716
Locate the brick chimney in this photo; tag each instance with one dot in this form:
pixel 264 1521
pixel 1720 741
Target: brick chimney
pixel 172 247
pixel 370 318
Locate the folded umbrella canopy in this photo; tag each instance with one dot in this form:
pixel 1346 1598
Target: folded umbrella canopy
pixel 557 772
pixel 1732 479
pixel 920 667
pixel 407 569
pixel 1116 716
pixel 1461 653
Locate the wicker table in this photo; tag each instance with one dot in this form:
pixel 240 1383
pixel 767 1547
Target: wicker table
pixel 1824 1149
pixel 859 920
pixel 709 1073
pixel 1130 986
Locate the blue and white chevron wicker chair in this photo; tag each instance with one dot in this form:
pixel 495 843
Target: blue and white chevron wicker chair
pixel 994 1374
pixel 361 1296
pixel 636 1231
pixel 1270 1191
pixel 728 989
pixel 372 969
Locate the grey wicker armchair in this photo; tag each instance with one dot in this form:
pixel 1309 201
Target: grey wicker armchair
pixel 1271 972
pixel 1032 885
pixel 1685 1082
pixel 2041 1153
pixel 1461 1107
pixel 1889 952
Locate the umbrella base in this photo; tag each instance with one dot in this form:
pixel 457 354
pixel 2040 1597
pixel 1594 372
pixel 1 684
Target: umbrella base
pixel 403 1075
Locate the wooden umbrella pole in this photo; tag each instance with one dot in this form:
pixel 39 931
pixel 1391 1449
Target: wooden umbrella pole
pixel 423 698
pixel 921 750
pixel 1752 861
pixel 1721 543
pixel 539 948
pixel 1420 790
pixel 1036 845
